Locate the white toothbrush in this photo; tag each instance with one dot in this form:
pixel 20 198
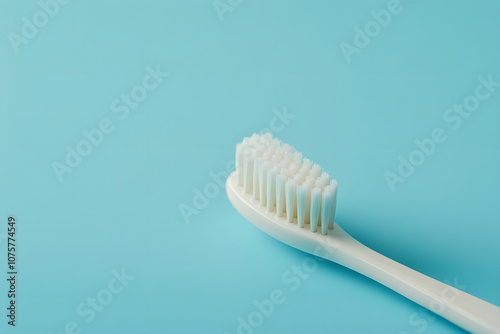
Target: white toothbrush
pixel 291 200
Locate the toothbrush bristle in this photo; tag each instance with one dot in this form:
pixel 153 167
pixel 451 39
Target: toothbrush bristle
pixel 280 179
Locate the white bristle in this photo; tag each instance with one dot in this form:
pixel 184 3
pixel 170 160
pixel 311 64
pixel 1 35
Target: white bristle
pixel 259 150
pixel 278 154
pixel 301 205
pixel 310 179
pixel 326 205
pixel 285 172
pixel 307 163
pixel 266 138
pixel 263 182
pixel 315 171
pixel 280 194
pixel 269 150
pixel 297 157
pixel 280 178
pixel 267 156
pixel 240 148
pixel 254 139
pixel 248 161
pixel 334 186
pixel 290 188
pixel 323 180
pixel 295 200
pixel 296 165
pixel 272 150
pixel 287 148
pixel 315 208
pixel 271 189
pixel 301 174
pixel 307 187
pixel 255 186
pixel 293 169
pixel 285 160
pixel 304 168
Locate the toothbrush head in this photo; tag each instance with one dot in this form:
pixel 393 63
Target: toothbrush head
pixel 275 180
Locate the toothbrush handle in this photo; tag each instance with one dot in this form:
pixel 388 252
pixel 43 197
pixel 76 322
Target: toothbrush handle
pixel 464 310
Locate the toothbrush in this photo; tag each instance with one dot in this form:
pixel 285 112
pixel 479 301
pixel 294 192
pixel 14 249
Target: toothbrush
pixel 290 199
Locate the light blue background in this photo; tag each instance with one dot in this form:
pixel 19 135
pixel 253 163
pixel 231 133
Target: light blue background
pixel 120 207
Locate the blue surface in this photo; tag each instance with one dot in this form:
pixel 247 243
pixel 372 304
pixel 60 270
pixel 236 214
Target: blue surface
pixel 120 207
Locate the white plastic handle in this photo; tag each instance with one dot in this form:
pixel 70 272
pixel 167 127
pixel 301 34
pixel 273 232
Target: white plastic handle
pixel 466 311
pixel 469 312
